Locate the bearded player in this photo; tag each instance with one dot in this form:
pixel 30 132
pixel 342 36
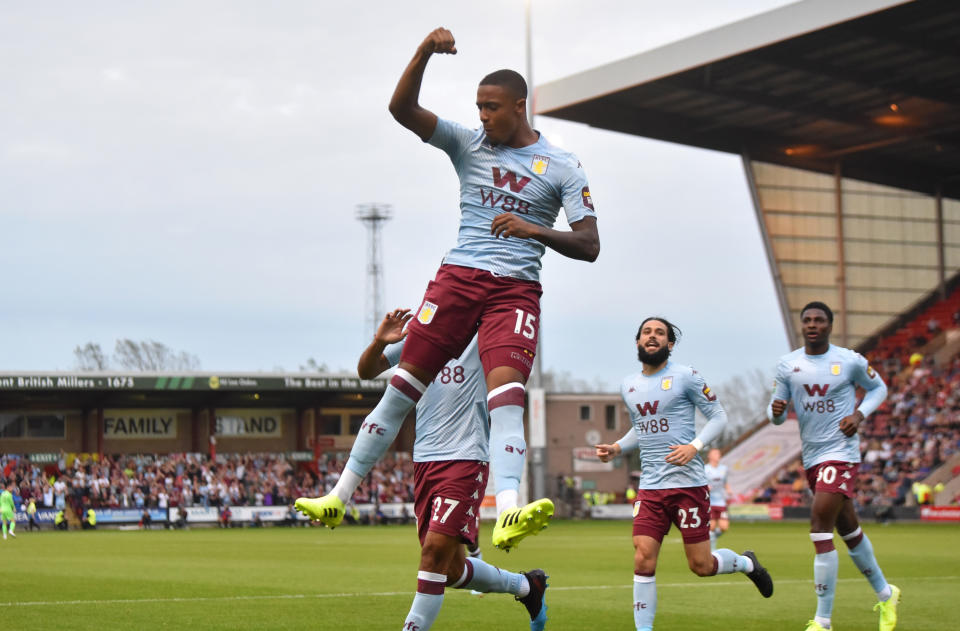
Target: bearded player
pixel 662 399
pixel 821 379
pixel 513 183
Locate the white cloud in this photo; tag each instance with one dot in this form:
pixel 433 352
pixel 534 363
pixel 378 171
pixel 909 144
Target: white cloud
pixel 39 152
pixel 113 74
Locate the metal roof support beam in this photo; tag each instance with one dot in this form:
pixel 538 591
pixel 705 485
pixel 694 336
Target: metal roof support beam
pixel 941 257
pixel 841 256
pixel 99 425
pixel 212 432
pixel 196 438
pixel 768 249
pixel 85 430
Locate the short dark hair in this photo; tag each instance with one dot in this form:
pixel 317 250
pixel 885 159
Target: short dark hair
pixel 509 79
pixel 673 331
pixel 816 304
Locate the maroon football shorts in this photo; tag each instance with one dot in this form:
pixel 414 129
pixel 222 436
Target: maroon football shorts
pixel 462 300
pixel 834 476
pixel 687 508
pixel 718 512
pixel 447 497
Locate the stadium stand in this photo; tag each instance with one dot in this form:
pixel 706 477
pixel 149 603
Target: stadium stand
pixel 929 330
pixel 193 480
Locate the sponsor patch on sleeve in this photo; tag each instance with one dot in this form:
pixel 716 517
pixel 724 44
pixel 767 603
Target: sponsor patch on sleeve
pixel 708 393
pixel 587 199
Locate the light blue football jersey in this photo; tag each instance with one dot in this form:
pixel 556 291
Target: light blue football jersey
pixel 717 481
pixel 663 412
pixel 823 389
pixel 533 182
pixel 452 420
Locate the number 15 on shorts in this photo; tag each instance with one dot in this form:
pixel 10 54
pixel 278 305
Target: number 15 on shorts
pixel 526 324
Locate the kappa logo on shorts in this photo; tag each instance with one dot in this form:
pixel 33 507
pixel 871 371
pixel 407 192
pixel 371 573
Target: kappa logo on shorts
pixel 427 311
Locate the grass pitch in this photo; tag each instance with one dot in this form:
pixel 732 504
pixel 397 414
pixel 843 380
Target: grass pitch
pixel 364 578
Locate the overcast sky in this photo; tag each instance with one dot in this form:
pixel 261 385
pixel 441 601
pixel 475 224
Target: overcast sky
pixel 188 172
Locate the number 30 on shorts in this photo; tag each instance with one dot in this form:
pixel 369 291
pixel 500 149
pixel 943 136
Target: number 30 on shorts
pixel 526 324
pixel 827 475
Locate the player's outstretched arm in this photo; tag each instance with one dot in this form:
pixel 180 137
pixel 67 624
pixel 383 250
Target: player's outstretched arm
pixel 405 103
pixel 372 361
pixel 581 242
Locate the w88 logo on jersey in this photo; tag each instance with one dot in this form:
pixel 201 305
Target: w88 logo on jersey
pixel 654 426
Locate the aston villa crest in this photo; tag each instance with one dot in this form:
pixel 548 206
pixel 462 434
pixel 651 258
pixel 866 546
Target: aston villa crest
pixel 427 311
pixel 540 164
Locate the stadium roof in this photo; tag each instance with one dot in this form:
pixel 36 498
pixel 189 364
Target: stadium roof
pixel 872 85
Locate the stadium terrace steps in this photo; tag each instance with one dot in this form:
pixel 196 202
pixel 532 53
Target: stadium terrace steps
pixel 762 456
pixel 73 520
pixel 950 348
pixel 944 473
pixel 950 491
pixel 942 311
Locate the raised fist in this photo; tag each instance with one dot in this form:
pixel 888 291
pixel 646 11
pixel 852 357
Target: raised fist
pixel 439 41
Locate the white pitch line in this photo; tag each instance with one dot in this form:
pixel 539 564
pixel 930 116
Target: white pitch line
pixel 563 588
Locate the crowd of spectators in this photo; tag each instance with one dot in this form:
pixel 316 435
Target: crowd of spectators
pixel 173 480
